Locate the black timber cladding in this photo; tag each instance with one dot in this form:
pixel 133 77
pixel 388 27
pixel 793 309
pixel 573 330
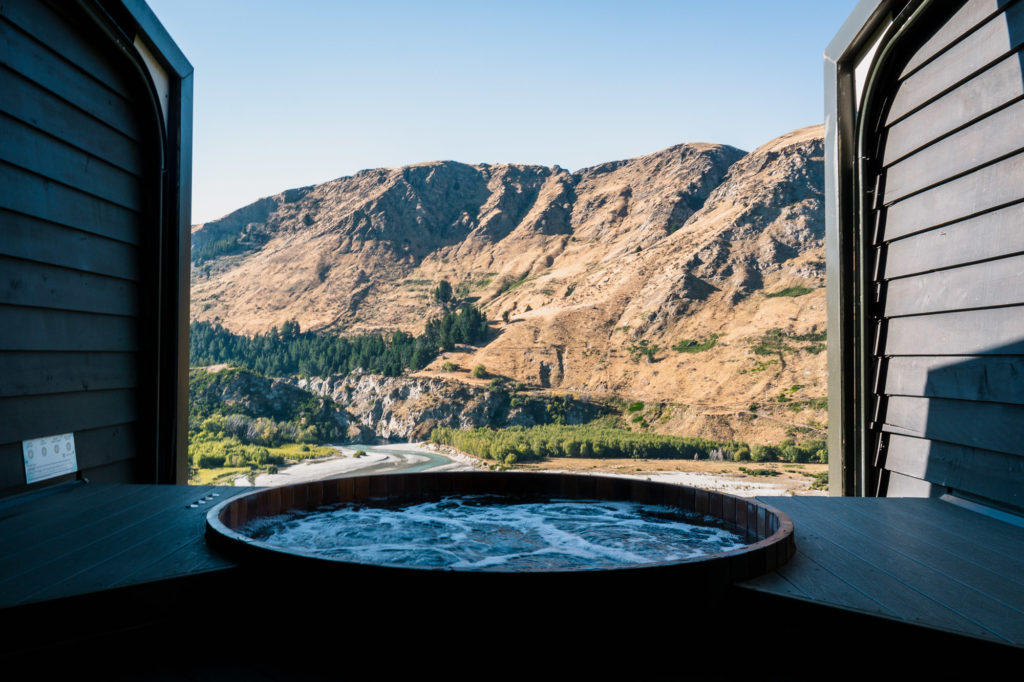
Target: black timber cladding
pixel 90 239
pixel 944 256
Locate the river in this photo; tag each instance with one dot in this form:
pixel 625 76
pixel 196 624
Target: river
pixel 387 458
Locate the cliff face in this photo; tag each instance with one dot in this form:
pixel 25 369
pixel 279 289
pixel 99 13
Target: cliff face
pixel 593 269
pixel 408 408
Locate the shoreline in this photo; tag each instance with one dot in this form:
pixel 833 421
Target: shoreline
pixel 381 458
pixel 412 457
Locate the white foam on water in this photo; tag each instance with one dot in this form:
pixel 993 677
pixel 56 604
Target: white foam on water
pixel 487 533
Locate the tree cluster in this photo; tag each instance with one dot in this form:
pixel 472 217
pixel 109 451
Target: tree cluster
pixel 586 440
pixel 290 351
pixel 599 440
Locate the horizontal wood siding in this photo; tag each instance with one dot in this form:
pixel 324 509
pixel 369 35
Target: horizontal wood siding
pixel 45 242
pixel 39 197
pixel 983 142
pixel 995 87
pixel 999 331
pixel 55 160
pixel 26 101
pixel 42 65
pixel 46 286
pixel 992 283
pixel 976 50
pixel 35 373
pixel 987 379
pixel 949 266
pixel 967 18
pixel 990 235
pixel 72 242
pixel 34 329
pixel 985 473
pixel 35 416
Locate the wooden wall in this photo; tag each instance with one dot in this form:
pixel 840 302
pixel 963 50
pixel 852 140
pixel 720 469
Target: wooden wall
pixel 77 244
pixel 945 258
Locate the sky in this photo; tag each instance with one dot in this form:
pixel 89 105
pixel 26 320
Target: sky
pixel 295 93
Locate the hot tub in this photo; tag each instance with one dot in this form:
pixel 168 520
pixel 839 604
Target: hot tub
pixel 662 617
pixel 768 532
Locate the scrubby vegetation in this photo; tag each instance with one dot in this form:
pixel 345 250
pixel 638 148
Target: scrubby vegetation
pixel 510 283
pixel 790 292
pixel 820 480
pixel 791 451
pixel 759 472
pixel 777 342
pixel 695 346
pixel 290 351
pixel 643 349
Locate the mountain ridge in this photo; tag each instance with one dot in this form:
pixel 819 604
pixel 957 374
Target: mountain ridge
pixel 680 244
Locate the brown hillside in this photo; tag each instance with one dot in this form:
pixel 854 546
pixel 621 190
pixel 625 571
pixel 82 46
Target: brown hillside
pixel 680 244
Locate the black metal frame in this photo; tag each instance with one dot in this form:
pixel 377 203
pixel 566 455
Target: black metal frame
pixel 854 216
pixel 845 329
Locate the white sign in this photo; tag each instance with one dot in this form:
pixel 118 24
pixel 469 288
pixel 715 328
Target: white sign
pixel 49 457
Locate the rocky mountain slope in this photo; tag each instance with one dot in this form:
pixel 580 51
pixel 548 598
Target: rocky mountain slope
pixel 591 277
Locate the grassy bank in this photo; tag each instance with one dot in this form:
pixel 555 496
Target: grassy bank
pixel 218 460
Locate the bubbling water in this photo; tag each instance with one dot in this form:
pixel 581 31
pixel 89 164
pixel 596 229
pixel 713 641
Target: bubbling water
pixel 491 533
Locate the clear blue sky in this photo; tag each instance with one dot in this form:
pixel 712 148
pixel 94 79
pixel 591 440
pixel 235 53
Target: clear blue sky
pixel 294 93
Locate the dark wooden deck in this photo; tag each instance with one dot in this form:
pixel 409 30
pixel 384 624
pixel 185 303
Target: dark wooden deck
pixel 93 556
pixel 78 539
pixel 918 561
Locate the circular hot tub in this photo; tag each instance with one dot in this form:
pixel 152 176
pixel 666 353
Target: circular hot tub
pixel 763 536
pixel 659 617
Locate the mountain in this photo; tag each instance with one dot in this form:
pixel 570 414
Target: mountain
pixel 591 277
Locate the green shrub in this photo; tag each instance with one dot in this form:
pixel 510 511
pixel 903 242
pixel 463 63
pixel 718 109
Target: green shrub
pixel 694 346
pixel 209 461
pixel 759 472
pixel 443 292
pixel 820 481
pixel 359 453
pixel 479 372
pixel 765 453
pixel 642 349
pixel 449 366
pixel 635 407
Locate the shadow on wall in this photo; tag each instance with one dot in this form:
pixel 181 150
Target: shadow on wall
pixel 962 432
